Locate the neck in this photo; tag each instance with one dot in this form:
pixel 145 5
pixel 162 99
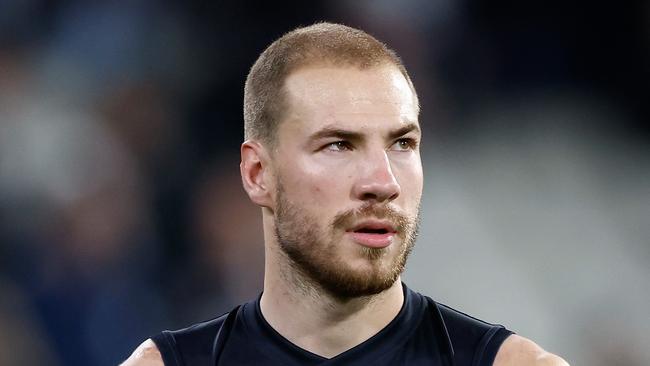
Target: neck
pixel 312 319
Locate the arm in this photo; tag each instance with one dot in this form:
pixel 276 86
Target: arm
pixel 520 351
pixel 146 354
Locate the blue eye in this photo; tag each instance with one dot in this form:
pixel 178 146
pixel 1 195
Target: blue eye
pixel 338 146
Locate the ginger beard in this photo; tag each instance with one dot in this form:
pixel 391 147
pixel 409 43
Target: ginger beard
pixel 315 254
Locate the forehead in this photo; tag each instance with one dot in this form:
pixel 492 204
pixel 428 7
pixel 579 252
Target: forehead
pixel 325 95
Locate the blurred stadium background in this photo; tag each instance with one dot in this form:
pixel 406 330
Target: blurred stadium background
pixel 121 212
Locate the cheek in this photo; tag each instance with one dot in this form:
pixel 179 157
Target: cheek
pixel 411 182
pixel 327 189
pixel 317 184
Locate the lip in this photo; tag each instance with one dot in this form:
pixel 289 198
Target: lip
pixel 373 240
pixel 374 225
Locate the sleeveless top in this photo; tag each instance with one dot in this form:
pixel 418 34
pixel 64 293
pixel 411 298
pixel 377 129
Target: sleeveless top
pixel 423 333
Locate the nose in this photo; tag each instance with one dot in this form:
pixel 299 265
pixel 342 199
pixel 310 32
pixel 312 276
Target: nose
pixel 376 180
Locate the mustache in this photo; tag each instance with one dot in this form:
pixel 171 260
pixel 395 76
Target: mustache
pixel 348 218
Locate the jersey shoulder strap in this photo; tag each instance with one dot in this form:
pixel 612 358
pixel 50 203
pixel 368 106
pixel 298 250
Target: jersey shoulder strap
pixel 189 346
pixel 471 341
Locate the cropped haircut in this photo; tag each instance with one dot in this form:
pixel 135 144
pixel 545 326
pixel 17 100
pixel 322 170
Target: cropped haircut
pixel 318 44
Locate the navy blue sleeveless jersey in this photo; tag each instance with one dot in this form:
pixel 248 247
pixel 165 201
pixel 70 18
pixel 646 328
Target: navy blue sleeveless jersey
pixel 423 333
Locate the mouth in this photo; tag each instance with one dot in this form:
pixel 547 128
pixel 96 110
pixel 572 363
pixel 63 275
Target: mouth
pixel 373 234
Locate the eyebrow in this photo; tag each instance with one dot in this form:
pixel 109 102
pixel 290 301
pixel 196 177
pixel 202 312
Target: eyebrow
pixel 412 126
pixel 355 136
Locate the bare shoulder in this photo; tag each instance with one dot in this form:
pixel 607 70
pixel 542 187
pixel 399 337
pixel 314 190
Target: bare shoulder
pixel 519 351
pixel 146 354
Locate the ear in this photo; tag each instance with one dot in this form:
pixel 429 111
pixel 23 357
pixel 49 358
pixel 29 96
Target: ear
pixel 256 173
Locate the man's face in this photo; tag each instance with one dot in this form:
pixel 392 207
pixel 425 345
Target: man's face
pixel 348 177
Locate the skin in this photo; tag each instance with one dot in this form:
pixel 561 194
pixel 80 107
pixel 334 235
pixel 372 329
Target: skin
pixel 324 174
pixel 328 175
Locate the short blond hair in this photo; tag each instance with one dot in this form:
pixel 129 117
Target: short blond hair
pixel 320 43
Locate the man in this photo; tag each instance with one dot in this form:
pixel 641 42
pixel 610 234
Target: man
pixel 332 158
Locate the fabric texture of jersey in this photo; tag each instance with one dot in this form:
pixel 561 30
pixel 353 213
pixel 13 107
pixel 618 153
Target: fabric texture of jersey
pixel 423 333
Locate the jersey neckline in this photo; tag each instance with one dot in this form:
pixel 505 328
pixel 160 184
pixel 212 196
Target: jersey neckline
pixel 393 335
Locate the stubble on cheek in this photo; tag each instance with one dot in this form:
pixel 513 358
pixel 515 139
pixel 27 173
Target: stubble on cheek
pixel 315 255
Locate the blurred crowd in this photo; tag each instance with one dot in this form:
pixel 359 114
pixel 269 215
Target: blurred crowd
pixel 121 207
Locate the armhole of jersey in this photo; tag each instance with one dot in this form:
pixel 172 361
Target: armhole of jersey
pixel 487 349
pixel 166 344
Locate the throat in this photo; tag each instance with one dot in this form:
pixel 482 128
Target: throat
pixel 329 328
